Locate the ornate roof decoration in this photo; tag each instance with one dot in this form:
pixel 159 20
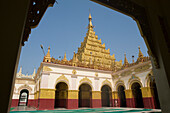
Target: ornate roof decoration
pixel 142 68
pixel 93 54
pixel 140 56
pixel 126 63
pixel 46 68
pixel 64 59
pixel 126 73
pixel 35 13
pixel 21 75
pixel 85 79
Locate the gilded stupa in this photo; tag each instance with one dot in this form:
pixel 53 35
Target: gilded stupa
pixel 92 51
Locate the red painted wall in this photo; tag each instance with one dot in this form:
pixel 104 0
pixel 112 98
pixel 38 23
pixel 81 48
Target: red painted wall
pixel 31 102
pixel 14 102
pixel 72 103
pixel 130 102
pixel 96 103
pixel 46 104
pixel 148 102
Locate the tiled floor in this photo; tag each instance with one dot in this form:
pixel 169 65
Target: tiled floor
pixel 87 110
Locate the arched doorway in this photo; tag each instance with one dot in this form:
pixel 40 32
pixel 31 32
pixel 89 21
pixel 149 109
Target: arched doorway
pixel 85 95
pixel 106 96
pixel 155 94
pixel 61 95
pixel 23 98
pixel 121 95
pixel 137 95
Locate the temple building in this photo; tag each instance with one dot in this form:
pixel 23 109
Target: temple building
pixel 92 78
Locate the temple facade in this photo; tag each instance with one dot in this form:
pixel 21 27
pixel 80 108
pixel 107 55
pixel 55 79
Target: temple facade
pixel 92 78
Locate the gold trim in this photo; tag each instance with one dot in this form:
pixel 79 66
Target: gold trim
pixel 85 79
pixel 73 94
pixel 46 68
pixel 96 94
pixel 106 82
pixel 62 77
pixel 47 94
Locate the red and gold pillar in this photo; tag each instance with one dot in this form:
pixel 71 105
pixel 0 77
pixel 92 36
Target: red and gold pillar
pixel 96 99
pixel 148 99
pixel 72 102
pixel 116 102
pixel 46 100
pixel 130 102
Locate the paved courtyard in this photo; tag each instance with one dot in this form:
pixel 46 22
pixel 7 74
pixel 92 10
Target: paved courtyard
pixel 92 110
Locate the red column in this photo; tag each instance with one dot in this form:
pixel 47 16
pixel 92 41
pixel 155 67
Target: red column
pixel 46 104
pixel 72 103
pixel 96 103
pixel 148 102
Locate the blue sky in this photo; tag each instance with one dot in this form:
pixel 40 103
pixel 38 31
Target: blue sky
pixel 64 26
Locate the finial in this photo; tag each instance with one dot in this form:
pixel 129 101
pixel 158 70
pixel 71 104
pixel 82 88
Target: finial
pixel 65 59
pixel 138 47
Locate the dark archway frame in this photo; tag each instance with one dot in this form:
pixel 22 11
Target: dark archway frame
pixel 109 94
pixel 22 91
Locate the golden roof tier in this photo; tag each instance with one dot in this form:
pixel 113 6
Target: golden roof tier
pixel 92 51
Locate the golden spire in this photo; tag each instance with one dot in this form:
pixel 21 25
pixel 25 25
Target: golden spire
pixel 140 55
pixel 125 61
pixel 65 59
pixel 74 61
pixel 90 20
pixel 48 53
pixel 47 57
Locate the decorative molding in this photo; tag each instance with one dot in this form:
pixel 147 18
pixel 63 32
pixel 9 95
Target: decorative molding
pixel 62 77
pixel 142 68
pixel 25 86
pixel 74 72
pixel 96 74
pixel 106 82
pixel 85 80
pixel 46 68
pixel 133 79
pixel 118 83
pixel 126 73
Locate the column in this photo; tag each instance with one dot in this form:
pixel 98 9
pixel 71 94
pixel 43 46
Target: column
pixel 130 102
pixel 47 98
pixel 115 98
pixel 72 102
pixel 148 99
pixel 96 99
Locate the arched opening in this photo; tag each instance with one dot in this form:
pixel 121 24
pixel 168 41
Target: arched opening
pixel 121 95
pixel 85 95
pixel 23 98
pixel 106 96
pixel 137 95
pixel 61 95
pixel 155 94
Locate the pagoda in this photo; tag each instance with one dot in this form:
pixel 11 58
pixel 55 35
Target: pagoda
pixel 92 51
